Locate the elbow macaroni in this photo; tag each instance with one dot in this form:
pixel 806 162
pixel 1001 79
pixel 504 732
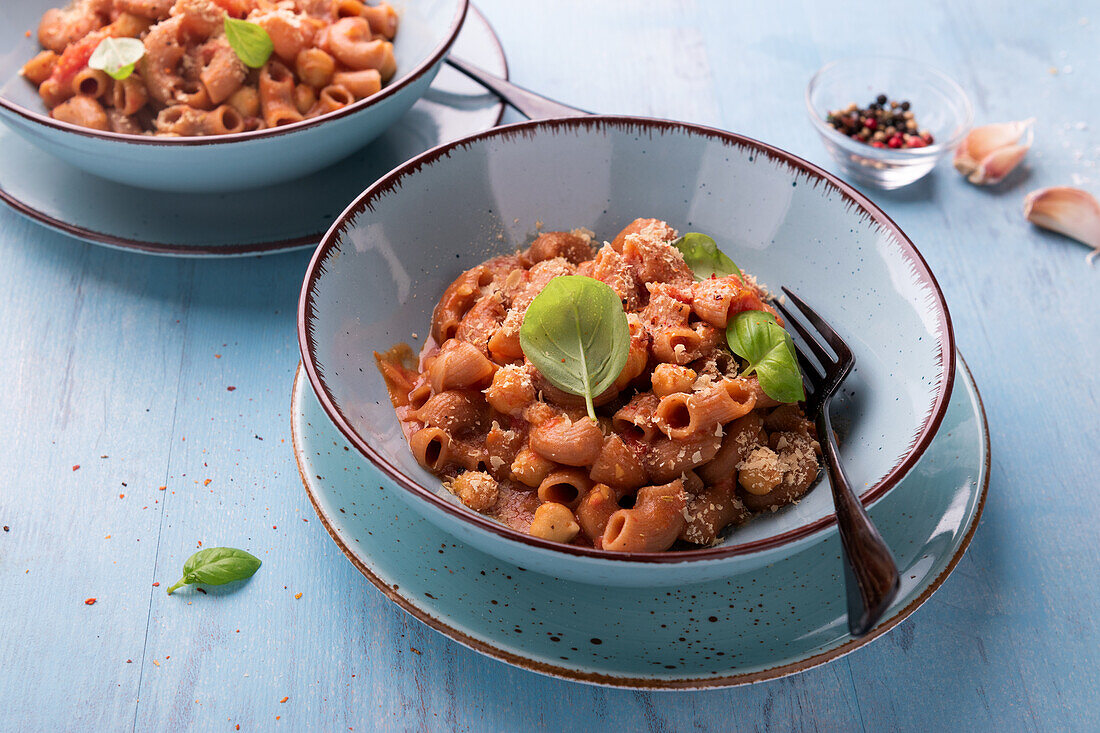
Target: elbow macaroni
pixel 684 446
pixel 328 54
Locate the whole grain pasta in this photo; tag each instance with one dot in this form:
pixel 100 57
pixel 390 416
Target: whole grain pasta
pixel 188 61
pixel 681 447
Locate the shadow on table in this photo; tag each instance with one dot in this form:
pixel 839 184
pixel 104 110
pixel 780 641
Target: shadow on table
pixel 234 285
pixel 921 191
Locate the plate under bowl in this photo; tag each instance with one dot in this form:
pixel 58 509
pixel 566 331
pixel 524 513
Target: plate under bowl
pixel 275 218
pixel 775 621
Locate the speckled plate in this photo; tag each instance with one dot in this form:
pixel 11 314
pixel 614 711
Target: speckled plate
pixel 775 621
pixel 269 219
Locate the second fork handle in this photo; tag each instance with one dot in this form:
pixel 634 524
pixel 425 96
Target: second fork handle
pixel 530 105
pixel 871 575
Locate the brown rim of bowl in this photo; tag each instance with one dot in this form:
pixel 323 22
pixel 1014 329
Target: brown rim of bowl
pixel 734 680
pixel 417 71
pixel 524 129
pixel 234 250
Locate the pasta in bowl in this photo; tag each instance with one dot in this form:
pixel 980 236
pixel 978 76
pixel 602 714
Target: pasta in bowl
pixel 216 95
pixel 209 67
pixel 453 213
pixel 684 442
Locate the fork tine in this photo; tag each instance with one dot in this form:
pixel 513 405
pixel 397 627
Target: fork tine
pixel 810 370
pixel 826 331
pixel 813 383
pixel 819 351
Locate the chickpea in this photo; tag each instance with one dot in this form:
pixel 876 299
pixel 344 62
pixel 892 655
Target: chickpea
pixel 554 522
pixel 476 489
pixel 760 472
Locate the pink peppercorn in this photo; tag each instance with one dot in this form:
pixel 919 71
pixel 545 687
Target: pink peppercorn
pixel 895 141
pixel 870 123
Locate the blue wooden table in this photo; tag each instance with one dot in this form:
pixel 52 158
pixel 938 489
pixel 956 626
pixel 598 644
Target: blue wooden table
pixel 145 411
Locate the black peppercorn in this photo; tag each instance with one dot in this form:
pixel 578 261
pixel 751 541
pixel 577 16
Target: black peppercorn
pixel 883 123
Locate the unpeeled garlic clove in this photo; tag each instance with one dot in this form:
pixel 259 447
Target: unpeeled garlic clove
pixel 989 153
pixel 1069 211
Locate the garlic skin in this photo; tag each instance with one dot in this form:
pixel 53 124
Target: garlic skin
pixel 1069 211
pixel 989 153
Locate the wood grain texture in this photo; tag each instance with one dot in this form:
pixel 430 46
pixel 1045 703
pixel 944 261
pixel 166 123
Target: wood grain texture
pixel 133 358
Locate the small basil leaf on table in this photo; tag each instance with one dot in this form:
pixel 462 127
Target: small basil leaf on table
pixel 217 566
pixel 576 335
pixel 249 41
pixel 702 255
pixel 117 57
pixel 757 338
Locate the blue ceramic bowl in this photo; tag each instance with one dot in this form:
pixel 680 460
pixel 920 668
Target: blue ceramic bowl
pixel 381 268
pixel 226 162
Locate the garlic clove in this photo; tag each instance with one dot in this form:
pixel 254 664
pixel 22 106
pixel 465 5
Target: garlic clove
pixel 989 153
pixel 1069 211
pixel 994 167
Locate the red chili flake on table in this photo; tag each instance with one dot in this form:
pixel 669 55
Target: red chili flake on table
pixel 161 488
pixel 156 584
pixel 285 699
pixel 89 601
pixel 297 596
pixel 122 496
pixel 231 389
pixel 76 467
pixel 207 482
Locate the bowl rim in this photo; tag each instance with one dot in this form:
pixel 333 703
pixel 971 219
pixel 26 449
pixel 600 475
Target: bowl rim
pixel 436 55
pixel 899 154
pixel 525 130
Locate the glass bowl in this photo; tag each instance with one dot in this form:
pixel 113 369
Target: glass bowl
pixel 940 106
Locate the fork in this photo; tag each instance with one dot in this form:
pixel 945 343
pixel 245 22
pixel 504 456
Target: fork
pixel 870 574
pixel 530 105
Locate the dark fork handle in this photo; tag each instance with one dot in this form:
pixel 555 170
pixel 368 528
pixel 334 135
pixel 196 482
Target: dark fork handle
pixel 870 574
pixel 530 105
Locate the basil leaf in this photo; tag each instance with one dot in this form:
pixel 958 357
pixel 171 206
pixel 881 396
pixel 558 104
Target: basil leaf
pixel 575 333
pixel 249 41
pixel 217 566
pixel 767 347
pixel 702 255
pixel 117 57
